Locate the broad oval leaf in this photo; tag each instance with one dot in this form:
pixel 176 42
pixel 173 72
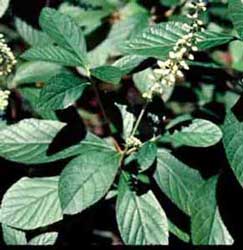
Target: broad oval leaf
pixel 87 178
pixel 232 139
pixel 146 155
pixel 61 91
pixel 200 133
pixel 127 63
pixel 44 239
pixel 30 35
pixel 30 72
pixel 207 226
pixel 12 236
pixel 3 6
pixel 236 13
pixel 107 74
pixel 156 41
pixel 178 181
pixel 65 32
pixel 51 53
pixel 29 140
pixel 31 203
pixel 209 39
pixel 140 218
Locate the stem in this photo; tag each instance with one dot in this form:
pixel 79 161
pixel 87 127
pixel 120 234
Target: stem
pixel 107 121
pixel 140 117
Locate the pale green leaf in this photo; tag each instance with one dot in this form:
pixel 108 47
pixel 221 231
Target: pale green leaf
pixel 87 178
pixel 128 120
pixel 30 72
pixel 127 63
pixel 3 6
pixel 45 239
pixel 178 232
pixel 28 142
pixel 140 218
pixel 31 203
pixel 30 35
pixel 200 133
pixel 12 236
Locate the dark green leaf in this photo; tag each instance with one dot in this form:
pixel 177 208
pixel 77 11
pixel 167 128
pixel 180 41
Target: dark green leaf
pixel 178 181
pixel 206 223
pixel 53 54
pixel 236 13
pixel 61 91
pixel 65 32
pixel 108 74
pixel 146 155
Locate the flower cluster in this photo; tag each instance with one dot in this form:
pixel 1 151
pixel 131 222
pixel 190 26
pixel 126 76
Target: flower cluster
pixel 132 141
pixel 171 69
pixel 7 58
pixel 4 94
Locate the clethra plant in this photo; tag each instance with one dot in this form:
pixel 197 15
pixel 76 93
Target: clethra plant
pixel 117 107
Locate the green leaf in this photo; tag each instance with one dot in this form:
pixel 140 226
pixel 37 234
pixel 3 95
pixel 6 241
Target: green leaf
pixel 178 181
pixel 87 178
pixel 207 226
pixel 156 41
pixel 30 72
pixel 127 63
pixel 45 239
pixel 210 39
pixel 3 6
pixel 31 203
pixel 65 32
pixel 232 139
pixel 13 236
pixel 52 54
pixel 140 218
pixel 146 155
pixel 109 74
pixel 61 91
pixel 29 140
pixel 128 120
pixel 200 133
pixel 236 13
pixel 30 35
pixel 178 232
